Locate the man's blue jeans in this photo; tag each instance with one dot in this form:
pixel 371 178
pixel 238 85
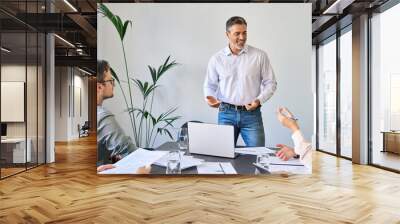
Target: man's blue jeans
pixel 248 123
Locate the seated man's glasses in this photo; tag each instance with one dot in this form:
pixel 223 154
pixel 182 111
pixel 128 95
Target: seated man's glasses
pixel 112 81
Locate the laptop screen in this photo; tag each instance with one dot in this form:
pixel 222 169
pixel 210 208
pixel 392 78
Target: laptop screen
pixel 3 129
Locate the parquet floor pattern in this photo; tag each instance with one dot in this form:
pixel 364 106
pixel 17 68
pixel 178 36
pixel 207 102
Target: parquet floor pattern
pixel 70 191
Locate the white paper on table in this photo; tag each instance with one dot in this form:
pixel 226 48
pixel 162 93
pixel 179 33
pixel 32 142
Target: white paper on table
pixel 277 160
pixel 130 163
pixel 215 168
pixel 210 168
pixel 186 161
pixel 253 150
pixel 228 168
pixel 288 169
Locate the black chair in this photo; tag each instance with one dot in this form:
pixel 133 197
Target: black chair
pixel 84 130
pixel 185 125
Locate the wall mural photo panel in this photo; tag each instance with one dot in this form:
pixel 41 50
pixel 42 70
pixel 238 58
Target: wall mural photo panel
pixel 213 89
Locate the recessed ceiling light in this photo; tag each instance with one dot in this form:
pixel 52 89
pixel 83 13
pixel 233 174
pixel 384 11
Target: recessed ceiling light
pixel 70 5
pixel 5 50
pixel 84 71
pixel 64 40
pixel 337 7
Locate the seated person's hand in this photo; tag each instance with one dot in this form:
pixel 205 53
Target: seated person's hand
pixel 105 167
pixel 212 102
pixel 144 170
pixel 285 153
pixel 287 119
pixel 253 105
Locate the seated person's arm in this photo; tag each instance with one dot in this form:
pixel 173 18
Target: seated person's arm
pixel 301 146
pixel 111 136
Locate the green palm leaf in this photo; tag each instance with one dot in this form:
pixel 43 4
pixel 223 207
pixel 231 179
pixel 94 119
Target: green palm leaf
pixel 156 74
pixel 120 26
pixel 114 75
pixel 163 131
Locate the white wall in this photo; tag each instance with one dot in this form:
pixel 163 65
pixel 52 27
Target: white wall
pixel 16 73
pixel 66 119
pixel 192 33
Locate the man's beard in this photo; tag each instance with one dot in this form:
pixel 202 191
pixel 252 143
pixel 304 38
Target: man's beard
pixel 110 96
pixel 241 45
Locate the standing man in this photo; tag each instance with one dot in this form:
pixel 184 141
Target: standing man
pixel 239 80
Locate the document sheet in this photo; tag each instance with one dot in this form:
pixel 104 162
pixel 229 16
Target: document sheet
pixel 216 168
pixel 133 161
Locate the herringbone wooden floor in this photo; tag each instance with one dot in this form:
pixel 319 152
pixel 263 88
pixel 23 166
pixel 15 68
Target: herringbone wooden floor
pixel 69 191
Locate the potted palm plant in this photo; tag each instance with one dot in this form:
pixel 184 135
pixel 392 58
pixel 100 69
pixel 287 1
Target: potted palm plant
pixel 146 126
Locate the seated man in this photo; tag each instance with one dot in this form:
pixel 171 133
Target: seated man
pixel 301 146
pixel 112 143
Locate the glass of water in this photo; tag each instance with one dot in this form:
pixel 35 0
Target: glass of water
pixel 174 162
pixel 182 138
pixel 263 159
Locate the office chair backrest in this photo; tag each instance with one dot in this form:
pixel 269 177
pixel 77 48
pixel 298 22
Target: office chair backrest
pixel 185 125
pixel 86 125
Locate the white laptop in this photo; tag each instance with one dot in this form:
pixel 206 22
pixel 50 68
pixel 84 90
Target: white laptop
pixel 211 139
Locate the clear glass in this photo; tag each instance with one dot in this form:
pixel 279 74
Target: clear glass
pixel 182 138
pixel 263 160
pixel 346 94
pixel 174 162
pixel 385 88
pixel 327 96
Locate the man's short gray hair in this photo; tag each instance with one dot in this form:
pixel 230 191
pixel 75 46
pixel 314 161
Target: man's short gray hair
pixel 235 20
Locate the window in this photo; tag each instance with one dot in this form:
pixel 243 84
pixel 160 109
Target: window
pixel 327 97
pixel 385 88
pixel 346 93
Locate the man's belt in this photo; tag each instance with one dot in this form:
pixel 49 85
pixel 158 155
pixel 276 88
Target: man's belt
pixel 236 107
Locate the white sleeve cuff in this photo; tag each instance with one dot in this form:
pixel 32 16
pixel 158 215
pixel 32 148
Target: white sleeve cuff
pixel 209 92
pixel 297 137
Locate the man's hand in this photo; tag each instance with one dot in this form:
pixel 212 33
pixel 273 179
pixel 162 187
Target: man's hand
pixel 285 153
pixel 105 167
pixel 253 105
pixel 212 102
pixel 287 119
pixel 143 170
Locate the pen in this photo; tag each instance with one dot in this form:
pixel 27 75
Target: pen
pixel 279 164
pixel 221 168
pixel 261 167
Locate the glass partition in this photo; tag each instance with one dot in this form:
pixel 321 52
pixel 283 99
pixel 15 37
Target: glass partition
pixel 22 78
